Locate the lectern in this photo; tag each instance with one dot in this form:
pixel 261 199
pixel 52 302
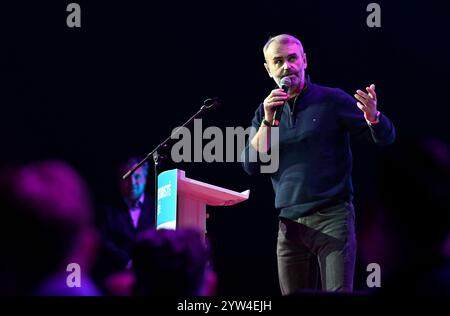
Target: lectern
pixel 182 201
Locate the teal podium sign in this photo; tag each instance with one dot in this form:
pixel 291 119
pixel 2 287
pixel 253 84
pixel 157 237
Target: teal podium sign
pixel 167 200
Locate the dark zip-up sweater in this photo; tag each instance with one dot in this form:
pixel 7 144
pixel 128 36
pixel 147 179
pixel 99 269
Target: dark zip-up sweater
pixel 315 160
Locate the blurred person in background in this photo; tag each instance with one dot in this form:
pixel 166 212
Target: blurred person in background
pixel 119 223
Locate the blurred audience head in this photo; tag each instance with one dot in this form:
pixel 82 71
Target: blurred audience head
pixel 46 224
pixel 172 263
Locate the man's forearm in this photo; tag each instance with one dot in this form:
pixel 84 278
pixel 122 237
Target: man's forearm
pixel 261 140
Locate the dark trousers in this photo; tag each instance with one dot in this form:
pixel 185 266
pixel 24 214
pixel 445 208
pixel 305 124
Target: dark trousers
pixel 318 250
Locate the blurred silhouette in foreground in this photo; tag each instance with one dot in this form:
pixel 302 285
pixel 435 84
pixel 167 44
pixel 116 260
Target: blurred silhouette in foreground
pixel 172 263
pixel 46 225
pixel 414 184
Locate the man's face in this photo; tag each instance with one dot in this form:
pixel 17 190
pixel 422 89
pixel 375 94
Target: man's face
pixel 286 60
pixel 133 187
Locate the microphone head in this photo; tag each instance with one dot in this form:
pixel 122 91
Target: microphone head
pixel 285 83
pixel 212 102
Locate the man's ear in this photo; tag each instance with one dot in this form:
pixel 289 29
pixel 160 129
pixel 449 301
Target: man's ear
pixel 305 61
pixel 268 71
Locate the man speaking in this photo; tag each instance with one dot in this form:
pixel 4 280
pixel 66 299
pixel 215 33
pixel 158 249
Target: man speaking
pixel 316 243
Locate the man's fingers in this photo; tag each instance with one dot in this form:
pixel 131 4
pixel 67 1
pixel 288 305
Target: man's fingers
pixel 360 98
pixel 276 95
pixel 372 92
pixel 361 106
pixel 280 98
pixel 362 93
pixel 277 92
pixel 271 106
pixel 276 103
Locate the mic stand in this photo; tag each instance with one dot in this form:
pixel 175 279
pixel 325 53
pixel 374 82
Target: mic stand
pixel 157 157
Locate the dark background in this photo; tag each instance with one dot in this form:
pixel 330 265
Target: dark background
pixel 136 69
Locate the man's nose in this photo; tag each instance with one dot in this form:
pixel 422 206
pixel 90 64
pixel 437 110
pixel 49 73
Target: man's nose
pixel 287 65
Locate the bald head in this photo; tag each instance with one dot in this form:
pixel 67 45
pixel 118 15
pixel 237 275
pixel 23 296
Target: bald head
pixel 283 39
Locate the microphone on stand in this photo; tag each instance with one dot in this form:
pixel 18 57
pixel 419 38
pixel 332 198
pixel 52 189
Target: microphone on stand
pixel 285 84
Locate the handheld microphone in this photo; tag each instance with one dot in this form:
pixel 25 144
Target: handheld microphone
pixel 285 84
